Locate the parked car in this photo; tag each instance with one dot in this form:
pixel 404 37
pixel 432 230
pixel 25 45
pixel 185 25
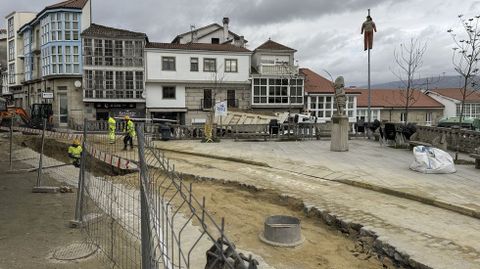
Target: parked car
pixel 468 122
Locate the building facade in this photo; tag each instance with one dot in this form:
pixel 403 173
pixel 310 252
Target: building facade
pixel 320 97
pixel 277 85
pixel 184 81
pixel 211 34
pixel 14 21
pixel 113 72
pixel 51 60
pixel 451 98
pixel 389 105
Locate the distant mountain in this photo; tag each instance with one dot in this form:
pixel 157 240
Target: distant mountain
pixel 443 82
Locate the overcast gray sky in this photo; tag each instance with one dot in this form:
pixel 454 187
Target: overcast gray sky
pixel 326 33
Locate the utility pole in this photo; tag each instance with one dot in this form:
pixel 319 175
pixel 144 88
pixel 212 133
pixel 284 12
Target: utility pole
pixel 369 91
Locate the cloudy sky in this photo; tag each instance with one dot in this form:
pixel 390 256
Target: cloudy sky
pixel 326 33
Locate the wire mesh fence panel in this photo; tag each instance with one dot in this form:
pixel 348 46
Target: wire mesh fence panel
pixel 28 152
pixel 181 232
pixel 142 215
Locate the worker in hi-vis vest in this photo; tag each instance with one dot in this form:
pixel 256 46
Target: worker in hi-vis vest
pixel 112 126
pixel 129 133
pixel 75 153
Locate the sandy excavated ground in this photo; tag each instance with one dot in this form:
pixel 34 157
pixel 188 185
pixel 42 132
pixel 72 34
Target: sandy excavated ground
pixel 245 211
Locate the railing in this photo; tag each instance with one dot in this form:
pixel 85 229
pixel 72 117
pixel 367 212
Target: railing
pixel 463 139
pixel 266 69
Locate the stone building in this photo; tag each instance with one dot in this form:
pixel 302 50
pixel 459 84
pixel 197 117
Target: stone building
pixel 113 72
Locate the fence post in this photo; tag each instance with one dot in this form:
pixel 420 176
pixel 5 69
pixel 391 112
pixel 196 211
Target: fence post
pixel 77 222
pixel 147 246
pixel 11 143
pixel 40 162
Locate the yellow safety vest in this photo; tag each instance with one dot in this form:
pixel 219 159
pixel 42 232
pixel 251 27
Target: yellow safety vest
pixel 111 124
pixel 131 128
pixel 75 151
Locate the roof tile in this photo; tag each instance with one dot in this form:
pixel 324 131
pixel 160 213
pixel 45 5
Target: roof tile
pixel 456 93
pixel 97 30
pixel 395 98
pixel 272 45
pixel 69 4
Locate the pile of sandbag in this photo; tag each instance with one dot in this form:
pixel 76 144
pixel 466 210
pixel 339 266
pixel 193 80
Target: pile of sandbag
pixel 430 160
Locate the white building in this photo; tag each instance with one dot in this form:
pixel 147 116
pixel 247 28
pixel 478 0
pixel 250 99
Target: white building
pixel 320 97
pixel 277 86
pixel 211 34
pixel 184 81
pixel 15 70
pixel 451 98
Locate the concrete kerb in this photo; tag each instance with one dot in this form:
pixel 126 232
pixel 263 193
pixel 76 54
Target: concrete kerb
pixel 368 186
pixel 368 239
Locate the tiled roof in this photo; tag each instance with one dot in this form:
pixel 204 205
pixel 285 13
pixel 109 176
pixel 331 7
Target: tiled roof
pixel 314 83
pixel 455 93
pixel 197 46
pixel 78 4
pixel 395 98
pixel 96 30
pixel 272 45
pixel 175 40
pixel 71 4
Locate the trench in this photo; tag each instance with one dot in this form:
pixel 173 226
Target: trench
pixel 330 242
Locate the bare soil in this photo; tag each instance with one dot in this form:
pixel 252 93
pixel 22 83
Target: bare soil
pixel 245 211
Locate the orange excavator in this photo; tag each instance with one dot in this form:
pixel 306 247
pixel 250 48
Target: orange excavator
pixel 40 112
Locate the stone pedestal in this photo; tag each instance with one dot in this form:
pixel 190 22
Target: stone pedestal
pixel 339 141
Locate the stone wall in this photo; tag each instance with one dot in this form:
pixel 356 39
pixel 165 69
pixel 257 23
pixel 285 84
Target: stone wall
pixel 449 138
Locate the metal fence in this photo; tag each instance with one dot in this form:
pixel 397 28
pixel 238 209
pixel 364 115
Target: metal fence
pixel 144 215
pixel 28 153
pixel 284 131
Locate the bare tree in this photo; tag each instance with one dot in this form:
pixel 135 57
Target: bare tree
pixel 408 60
pixel 466 54
pixel 217 80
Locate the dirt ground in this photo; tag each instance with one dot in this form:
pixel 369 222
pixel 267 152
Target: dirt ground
pixel 245 211
pixel 33 226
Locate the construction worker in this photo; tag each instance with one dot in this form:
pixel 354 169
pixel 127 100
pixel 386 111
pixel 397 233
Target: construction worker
pixel 75 153
pixel 129 133
pixel 111 129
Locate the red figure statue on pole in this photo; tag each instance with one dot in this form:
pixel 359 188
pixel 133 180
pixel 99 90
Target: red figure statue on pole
pixel 368 27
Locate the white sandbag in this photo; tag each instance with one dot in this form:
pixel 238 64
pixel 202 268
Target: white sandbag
pixel 430 160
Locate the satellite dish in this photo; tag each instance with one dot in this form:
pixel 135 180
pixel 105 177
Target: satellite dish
pixel 77 84
pixel 144 95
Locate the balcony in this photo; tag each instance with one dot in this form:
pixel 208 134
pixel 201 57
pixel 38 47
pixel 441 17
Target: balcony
pixel 112 95
pixel 276 69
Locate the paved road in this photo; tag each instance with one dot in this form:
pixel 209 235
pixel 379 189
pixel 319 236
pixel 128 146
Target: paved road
pixel 430 235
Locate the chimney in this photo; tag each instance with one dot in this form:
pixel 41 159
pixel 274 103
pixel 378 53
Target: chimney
pixel 226 20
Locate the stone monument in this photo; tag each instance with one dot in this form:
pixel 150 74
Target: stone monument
pixel 339 140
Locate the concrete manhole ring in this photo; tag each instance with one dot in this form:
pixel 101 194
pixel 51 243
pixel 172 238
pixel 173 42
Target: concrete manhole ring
pixel 75 251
